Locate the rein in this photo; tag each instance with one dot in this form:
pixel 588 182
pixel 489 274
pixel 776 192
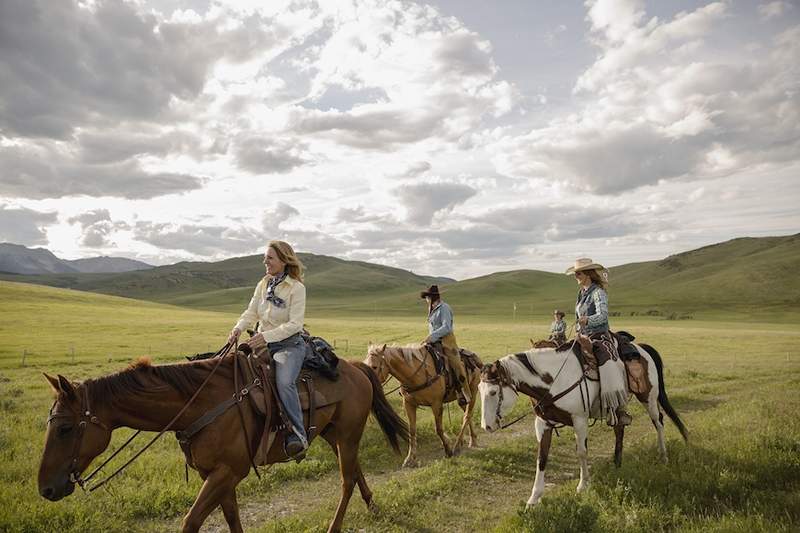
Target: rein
pixel 75 477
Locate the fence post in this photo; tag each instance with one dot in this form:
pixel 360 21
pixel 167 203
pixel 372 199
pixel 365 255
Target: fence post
pixel 334 344
pixel 347 345
pixel 72 350
pixel 24 355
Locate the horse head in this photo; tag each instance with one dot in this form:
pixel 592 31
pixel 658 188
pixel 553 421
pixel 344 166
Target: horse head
pixel 75 436
pixel 376 360
pixel 498 395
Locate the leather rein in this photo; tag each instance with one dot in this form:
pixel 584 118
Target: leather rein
pixel 86 417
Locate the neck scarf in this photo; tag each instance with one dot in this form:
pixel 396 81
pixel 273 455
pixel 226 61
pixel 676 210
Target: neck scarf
pixel 274 282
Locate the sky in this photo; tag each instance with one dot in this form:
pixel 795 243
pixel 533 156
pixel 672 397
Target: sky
pixel 453 137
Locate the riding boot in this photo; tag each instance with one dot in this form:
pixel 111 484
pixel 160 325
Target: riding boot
pixel 464 389
pixel 620 418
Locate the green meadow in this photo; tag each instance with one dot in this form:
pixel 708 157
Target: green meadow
pixel 732 376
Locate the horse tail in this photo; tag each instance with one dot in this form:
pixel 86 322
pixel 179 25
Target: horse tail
pixel 663 401
pixel 392 425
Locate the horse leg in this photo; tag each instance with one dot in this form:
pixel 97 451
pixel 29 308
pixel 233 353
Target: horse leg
pixel 658 421
pixel 436 407
pixel 544 435
pixel 366 493
pixel 619 433
pixel 411 413
pixel 348 468
pixel 473 437
pixel 581 426
pixel 215 489
pixel 230 508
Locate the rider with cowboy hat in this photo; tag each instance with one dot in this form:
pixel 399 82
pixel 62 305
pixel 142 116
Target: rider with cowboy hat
pixel 558 329
pixel 441 337
pixel 591 316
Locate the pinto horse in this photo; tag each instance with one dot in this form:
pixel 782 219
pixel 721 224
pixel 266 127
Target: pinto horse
pixel 421 385
pixel 563 394
pixel 148 397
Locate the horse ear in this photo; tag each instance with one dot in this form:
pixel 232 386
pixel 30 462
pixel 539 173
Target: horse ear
pixel 53 382
pixel 383 348
pixel 533 344
pixel 66 387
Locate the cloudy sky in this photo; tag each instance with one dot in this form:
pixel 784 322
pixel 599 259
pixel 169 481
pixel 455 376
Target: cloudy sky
pixel 453 137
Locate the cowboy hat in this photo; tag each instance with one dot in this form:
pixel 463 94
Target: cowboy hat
pixel 584 263
pixel 559 313
pixel 433 290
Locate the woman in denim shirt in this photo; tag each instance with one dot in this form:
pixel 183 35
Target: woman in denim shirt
pixel 279 306
pixel 591 316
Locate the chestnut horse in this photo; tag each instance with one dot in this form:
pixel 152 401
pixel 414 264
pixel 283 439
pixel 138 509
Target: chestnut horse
pixel 148 397
pixel 420 385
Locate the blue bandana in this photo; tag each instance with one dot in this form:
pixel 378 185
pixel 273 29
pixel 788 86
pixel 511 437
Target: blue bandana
pixel 274 282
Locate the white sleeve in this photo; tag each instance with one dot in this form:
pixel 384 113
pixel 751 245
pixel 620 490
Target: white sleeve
pixel 250 314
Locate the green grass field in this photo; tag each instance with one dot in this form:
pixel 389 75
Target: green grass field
pixel 735 385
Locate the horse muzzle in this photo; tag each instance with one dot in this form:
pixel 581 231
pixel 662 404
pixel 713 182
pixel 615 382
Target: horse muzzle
pixel 54 493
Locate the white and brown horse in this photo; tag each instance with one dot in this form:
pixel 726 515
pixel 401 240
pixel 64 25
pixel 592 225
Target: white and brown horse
pixel 563 395
pixel 422 385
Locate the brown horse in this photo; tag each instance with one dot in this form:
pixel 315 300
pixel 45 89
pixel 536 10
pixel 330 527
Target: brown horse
pixel 148 397
pixel 420 385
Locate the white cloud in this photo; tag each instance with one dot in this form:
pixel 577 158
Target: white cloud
pixel 772 10
pixel 20 225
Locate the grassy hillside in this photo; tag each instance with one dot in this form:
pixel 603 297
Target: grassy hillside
pixel 742 278
pixel 229 283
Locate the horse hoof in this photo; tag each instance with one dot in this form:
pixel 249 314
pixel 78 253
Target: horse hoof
pixel 373 507
pixel 410 463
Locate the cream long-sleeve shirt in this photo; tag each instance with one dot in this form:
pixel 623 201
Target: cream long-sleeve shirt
pixel 276 323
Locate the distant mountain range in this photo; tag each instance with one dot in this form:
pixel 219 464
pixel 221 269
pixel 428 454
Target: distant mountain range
pixel 745 275
pixel 18 259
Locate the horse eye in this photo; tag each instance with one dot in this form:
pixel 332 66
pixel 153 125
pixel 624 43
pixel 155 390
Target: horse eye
pixel 493 393
pixel 64 431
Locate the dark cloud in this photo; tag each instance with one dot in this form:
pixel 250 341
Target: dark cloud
pixel 108 147
pixel 45 171
pixel 357 214
pixel 414 170
pixel 264 156
pixel 19 225
pixel 90 217
pixel 199 239
pixel 273 219
pixel 97 226
pixel 422 201
pixel 465 54
pixel 64 65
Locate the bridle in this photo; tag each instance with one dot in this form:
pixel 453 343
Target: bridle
pixel 502 381
pixel 85 417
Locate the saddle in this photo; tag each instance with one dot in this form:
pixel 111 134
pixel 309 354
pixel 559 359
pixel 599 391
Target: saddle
pixel 591 360
pixel 469 358
pixel 316 389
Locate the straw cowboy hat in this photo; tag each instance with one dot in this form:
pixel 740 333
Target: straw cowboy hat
pixel 584 263
pixel 433 290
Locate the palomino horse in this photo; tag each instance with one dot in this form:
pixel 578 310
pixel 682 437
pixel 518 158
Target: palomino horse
pixel 563 395
pixel 420 384
pixel 148 397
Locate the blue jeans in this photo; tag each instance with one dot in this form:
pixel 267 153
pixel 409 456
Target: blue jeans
pixel 288 356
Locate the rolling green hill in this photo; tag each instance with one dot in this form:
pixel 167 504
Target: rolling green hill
pixel 228 285
pixel 738 278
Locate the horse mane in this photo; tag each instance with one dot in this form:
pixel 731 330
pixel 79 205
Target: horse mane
pixel 408 351
pixel 142 377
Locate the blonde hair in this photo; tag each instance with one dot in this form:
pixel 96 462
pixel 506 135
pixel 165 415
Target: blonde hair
pixel 598 277
pixel 294 267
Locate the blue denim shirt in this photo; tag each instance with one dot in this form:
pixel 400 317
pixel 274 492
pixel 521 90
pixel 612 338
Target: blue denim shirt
pixel 593 304
pixel 440 321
